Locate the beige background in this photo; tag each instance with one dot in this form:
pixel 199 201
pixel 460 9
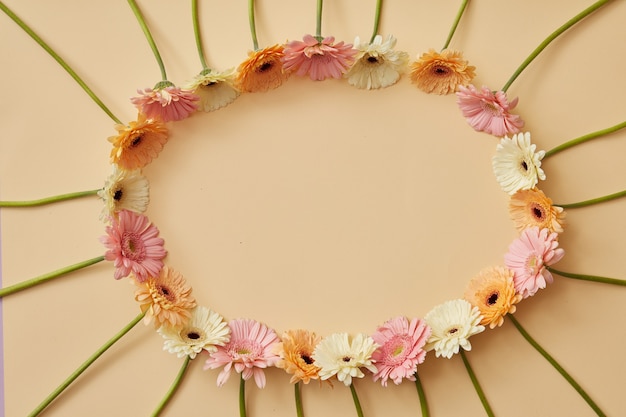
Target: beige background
pixel 315 205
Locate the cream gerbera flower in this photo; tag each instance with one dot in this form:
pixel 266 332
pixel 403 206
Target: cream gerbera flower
pixel 215 89
pixel 340 355
pixel 493 292
pixel 124 190
pixel 452 324
pixel 205 330
pixel 377 64
pixel 516 164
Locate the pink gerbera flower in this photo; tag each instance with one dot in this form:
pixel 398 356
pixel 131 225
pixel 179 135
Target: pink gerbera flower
pixel 488 111
pixel 319 59
pixel 250 350
pixel 133 245
pixel 529 255
pixel 400 349
pixel 166 102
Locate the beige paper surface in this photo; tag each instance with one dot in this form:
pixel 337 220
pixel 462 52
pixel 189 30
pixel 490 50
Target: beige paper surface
pixel 315 205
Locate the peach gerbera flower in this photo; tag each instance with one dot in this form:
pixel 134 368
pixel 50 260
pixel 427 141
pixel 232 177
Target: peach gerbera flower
pixel 262 71
pixel 138 144
pixel 166 102
pixel 441 73
pixel 493 292
pixel 166 299
pixel 296 355
pixel 319 59
pixel 532 207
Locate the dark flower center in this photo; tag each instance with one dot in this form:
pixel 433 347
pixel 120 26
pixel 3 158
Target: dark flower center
pixel 524 165
pixel 166 293
pixel 306 358
pixel 264 67
pixel 493 298
pixel 453 330
pixel 538 212
pixel 372 59
pixel 136 141
pixel 193 336
pixel 117 195
pixel 347 359
pixel 441 70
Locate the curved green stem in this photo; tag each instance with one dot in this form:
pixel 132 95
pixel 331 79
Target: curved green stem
pixel 255 42
pixel 298 395
pixel 48 200
pixel 196 32
pixel 479 390
pixel 355 398
pixel 422 396
pixel 47 277
pixel 173 387
pixel 58 59
pixel 54 394
pixel 556 366
pixel 457 19
pixel 146 32
pixel 318 21
pixel 379 6
pixel 584 138
pixel 593 278
pixel 593 200
pixel 242 397
pixel 552 37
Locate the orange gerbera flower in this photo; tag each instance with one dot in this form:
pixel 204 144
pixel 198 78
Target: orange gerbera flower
pixel 296 355
pixel 493 292
pixel 441 73
pixel 529 208
pixel 166 299
pixel 138 144
pixel 263 70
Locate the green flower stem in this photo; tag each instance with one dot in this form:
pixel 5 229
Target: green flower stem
pixel 196 32
pixel 255 42
pixel 242 397
pixel 584 139
pixel 48 200
pixel 47 277
pixel 85 365
pixel 552 37
pixel 173 388
pixel 318 22
pixel 477 387
pixel 422 396
pixel 146 31
pixel 457 19
pixel 556 366
pixel 379 6
pixel 298 395
pixel 357 403
pixel 58 59
pixel 594 278
pixel 593 200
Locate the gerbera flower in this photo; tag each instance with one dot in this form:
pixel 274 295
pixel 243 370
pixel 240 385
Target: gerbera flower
pixel 452 324
pixel 138 144
pixel 516 164
pixel 399 351
pixel 214 89
pixel 343 356
pixel 205 330
pixel 133 246
pixel 377 64
pixel 165 102
pixel 493 292
pixel 296 355
pixel 532 207
pixel 165 298
pixel 441 73
pixel 488 111
pixel 528 256
pixel 124 190
pixel 249 351
pixel 318 59
pixel 263 70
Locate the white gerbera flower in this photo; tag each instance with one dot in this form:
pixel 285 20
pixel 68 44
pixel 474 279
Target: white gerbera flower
pixel 338 355
pixel 452 324
pixel 377 64
pixel 205 330
pixel 215 89
pixel 124 190
pixel 516 164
